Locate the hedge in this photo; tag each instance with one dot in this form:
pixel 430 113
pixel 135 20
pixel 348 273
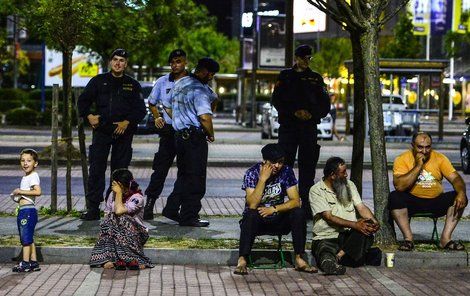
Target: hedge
pixel 22 116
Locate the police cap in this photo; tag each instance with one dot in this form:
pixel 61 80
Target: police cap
pixel 120 52
pixel 208 64
pixel 272 152
pixel 176 53
pixel 303 51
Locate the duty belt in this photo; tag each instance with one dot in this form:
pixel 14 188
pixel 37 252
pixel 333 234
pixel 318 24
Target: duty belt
pixel 187 132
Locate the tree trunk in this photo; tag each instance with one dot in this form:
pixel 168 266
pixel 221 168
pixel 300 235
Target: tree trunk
pixel 67 81
pixel 369 45
pixel 81 142
pixel 55 131
pixel 357 158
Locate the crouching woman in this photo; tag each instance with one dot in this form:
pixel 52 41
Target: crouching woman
pixel 122 232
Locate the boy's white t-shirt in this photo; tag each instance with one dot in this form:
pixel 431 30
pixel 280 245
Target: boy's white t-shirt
pixel 28 182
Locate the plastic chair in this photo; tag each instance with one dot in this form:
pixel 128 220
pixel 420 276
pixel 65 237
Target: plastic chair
pixel 277 265
pixel 434 218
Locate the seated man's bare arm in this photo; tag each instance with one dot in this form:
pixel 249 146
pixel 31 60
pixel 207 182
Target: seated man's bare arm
pixel 361 226
pixel 293 202
pixel 457 182
pixel 406 181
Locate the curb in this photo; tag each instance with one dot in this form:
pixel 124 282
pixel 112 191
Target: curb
pixel 80 255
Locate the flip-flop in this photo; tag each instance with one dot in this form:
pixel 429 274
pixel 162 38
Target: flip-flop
pixel 241 270
pixel 454 246
pixel 306 268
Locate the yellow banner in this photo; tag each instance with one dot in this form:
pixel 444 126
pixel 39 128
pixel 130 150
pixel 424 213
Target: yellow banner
pixel 421 11
pixel 460 25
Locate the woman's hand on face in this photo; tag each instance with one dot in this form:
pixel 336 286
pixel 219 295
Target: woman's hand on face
pixel 116 187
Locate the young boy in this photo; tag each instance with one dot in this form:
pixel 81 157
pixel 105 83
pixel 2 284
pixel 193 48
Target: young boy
pixel 27 214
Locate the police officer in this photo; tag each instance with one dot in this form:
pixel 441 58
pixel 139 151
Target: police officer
pixel 119 107
pixel 165 156
pixel 192 104
pixel 301 99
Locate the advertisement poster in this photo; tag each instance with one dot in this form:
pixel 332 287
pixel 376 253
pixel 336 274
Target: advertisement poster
pixel 441 16
pixel 308 18
pixel 421 10
pixel 84 67
pixel 460 25
pixel 272 41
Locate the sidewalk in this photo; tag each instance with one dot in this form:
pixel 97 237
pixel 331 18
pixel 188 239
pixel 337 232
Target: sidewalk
pixel 80 280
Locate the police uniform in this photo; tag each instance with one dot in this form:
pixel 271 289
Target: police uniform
pixel 115 99
pixel 296 91
pixel 190 98
pixel 166 153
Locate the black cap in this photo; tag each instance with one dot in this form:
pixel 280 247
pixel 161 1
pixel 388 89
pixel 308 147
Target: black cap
pixel 120 52
pixel 272 152
pixel 208 64
pixel 176 53
pixel 303 50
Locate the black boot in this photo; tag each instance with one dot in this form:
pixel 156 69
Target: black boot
pixel 148 209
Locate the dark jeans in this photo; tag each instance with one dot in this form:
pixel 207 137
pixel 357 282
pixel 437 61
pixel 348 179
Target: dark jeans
pixel 252 225
pixel 353 243
pixel 162 162
pixel 190 184
pixel 304 139
pixel 121 155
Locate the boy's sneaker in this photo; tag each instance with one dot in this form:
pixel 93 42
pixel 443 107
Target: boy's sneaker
pixel 35 266
pixel 23 266
pixel 331 267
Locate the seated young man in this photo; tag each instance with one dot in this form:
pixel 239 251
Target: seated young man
pixel 417 177
pixel 338 237
pixel 266 185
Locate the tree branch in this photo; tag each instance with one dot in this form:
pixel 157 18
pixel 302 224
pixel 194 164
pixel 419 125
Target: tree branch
pixel 388 17
pixel 328 9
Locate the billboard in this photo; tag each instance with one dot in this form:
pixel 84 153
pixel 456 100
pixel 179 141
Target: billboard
pixel 272 41
pixel 421 10
pixel 308 18
pixel 84 67
pixel 441 16
pixel 461 25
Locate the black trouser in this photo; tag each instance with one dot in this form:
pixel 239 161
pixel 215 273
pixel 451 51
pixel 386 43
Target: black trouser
pixel 252 225
pixel 438 206
pixel 303 138
pixel 121 155
pixel 162 162
pixel 353 243
pixel 190 184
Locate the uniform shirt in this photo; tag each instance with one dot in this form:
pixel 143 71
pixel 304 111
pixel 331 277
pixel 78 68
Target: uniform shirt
pixel 300 90
pixel 189 99
pixel 429 182
pixel 323 199
pixel 115 98
pixel 161 93
pixel 134 205
pixel 27 183
pixel 276 187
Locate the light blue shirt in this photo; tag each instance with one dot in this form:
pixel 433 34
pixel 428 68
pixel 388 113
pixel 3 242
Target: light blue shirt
pixel 161 94
pixel 189 100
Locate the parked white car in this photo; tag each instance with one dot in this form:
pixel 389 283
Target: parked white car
pixel 270 124
pixel 397 119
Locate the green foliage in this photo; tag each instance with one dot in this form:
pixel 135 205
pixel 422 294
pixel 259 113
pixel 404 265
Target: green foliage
pixel 333 52
pixel 22 116
pixel 453 42
pixel 6 105
pixel 13 94
pixel 404 44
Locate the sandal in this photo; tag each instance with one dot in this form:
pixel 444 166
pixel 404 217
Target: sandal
pixel 120 265
pixel 454 246
pixel 306 268
pixel 241 270
pixel 406 246
pixel 133 265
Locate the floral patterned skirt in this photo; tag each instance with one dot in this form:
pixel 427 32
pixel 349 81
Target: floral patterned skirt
pixel 121 238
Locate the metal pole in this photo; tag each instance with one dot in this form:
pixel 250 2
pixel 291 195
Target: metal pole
pixel 255 62
pixel 289 33
pixel 428 46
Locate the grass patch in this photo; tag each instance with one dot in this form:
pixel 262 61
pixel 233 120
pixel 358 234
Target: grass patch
pixel 47 212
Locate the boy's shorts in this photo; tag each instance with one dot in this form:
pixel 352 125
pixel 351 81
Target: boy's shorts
pixel 26 220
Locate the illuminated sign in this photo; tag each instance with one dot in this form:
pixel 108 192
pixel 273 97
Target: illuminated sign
pixel 308 18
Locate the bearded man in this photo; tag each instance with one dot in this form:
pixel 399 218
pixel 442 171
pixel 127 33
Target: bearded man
pixel 339 238
pixel 417 177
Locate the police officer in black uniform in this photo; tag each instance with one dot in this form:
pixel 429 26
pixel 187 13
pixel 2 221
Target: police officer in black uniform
pixel 118 108
pixel 301 99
